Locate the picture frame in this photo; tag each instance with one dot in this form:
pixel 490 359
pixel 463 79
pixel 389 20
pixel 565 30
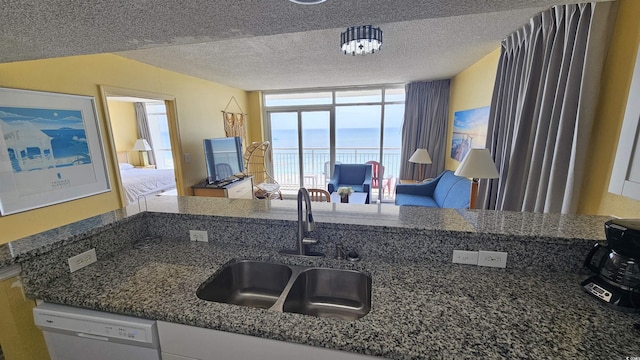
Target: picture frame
pixel 625 175
pixel 469 131
pixel 51 150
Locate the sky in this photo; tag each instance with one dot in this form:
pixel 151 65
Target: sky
pixel 361 116
pixel 43 119
pixel 470 121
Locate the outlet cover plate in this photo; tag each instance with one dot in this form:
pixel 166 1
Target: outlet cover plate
pixel 198 235
pixel 81 260
pixel 492 258
pixel 465 257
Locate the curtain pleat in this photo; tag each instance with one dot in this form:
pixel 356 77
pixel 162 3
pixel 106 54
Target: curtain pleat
pixel 542 109
pixel 426 116
pixel 143 129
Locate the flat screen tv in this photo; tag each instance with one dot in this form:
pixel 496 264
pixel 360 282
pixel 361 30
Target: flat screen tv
pixel 223 157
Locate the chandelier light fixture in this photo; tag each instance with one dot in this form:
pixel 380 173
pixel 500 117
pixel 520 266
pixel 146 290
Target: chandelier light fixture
pixel 360 40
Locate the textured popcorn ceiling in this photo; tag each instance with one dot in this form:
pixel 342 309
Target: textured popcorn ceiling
pixel 267 44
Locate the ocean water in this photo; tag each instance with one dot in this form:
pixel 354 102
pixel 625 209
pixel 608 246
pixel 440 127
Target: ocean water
pixel 355 145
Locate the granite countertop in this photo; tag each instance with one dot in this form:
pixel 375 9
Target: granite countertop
pixel 390 215
pixel 381 215
pixel 419 310
pixel 37 244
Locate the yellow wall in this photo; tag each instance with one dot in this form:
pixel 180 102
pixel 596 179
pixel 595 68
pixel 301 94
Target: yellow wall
pixel 199 104
pixel 616 80
pixel 19 336
pixel 124 128
pixel 254 127
pixel 470 89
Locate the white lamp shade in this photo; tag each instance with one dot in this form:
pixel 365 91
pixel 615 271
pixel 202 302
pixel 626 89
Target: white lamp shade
pixel 478 165
pixel 420 156
pixel 141 145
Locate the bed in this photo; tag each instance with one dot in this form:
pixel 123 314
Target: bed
pixel 143 181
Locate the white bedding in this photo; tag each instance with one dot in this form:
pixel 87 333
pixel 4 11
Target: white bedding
pixel 140 181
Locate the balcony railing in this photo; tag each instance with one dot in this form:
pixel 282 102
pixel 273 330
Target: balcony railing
pixel 286 169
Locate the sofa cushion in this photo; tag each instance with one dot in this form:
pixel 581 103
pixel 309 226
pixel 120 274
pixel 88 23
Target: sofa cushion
pixel 415 200
pixel 447 181
pixel 458 197
pixel 446 190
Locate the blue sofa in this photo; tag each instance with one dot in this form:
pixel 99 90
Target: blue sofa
pixel 357 176
pixel 445 191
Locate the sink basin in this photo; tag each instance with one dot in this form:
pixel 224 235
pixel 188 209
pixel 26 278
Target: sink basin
pixel 247 283
pixel 323 292
pixel 342 294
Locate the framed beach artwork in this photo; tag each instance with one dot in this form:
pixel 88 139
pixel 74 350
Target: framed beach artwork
pixel 469 131
pixel 50 150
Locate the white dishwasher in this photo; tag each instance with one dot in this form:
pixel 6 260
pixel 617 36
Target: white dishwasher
pixel 73 333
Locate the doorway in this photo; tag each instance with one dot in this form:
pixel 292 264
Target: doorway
pixel 161 175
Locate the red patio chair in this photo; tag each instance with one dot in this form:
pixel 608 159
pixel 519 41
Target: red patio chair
pixel 379 170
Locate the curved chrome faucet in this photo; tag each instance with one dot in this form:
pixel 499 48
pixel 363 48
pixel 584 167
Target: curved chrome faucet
pixel 305 225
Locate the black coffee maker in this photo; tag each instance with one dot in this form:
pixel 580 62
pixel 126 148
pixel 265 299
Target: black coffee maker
pixel 617 268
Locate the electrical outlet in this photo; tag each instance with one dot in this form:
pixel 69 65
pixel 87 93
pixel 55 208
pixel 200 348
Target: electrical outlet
pixel 198 235
pixel 81 260
pixel 492 259
pixel 187 158
pixel 465 257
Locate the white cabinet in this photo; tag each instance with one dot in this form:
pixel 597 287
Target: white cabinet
pixel 625 177
pixel 180 342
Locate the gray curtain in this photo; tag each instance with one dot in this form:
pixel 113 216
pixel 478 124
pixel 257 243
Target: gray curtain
pixel 143 129
pixel 426 116
pixel 542 109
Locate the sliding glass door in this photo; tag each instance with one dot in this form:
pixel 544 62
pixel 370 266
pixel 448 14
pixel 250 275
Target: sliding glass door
pixel 311 131
pixel 285 148
pixel 316 146
pixel 301 148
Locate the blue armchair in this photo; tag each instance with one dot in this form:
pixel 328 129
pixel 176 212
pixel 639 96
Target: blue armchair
pixel 445 191
pixel 357 176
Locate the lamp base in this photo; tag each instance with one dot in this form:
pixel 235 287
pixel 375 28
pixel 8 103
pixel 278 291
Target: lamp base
pixel 144 159
pixel 473 199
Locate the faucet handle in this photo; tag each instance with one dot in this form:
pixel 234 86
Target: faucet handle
pixel 309 241
pixel 340 253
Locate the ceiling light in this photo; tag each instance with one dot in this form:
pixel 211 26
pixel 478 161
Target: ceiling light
pixel 307 2
pixel 360 40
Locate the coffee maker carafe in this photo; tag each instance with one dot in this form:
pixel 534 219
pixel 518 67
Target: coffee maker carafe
pixel 616 266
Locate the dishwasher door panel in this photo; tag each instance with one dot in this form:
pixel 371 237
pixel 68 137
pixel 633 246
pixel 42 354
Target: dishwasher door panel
pixel 73 347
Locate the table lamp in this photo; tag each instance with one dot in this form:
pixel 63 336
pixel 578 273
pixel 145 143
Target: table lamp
pixel 420 156
pixel 477 165
pixel 143 146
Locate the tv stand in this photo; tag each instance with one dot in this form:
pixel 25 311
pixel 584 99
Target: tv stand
pixel 239 189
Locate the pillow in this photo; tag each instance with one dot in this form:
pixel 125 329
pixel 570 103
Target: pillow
pixel 126 166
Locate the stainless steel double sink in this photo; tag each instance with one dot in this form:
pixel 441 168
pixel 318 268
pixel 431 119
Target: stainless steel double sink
pixel 323 292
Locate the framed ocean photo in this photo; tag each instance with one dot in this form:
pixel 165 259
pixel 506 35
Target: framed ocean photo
pixel 469 131
pixel 50 150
